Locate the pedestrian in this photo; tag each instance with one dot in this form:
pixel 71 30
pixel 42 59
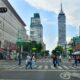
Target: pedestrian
pixel 75 60
pixel 69 59
pixel 58 61
pixel 29 61
pixel 33 61
pixel 19 59
pixel 54 60
pixel 60 58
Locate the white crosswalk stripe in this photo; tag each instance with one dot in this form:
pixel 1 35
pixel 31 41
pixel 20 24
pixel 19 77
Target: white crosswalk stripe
pixel 65 67
pixel 72 67
pixel 52 67
pixel 45 67
pixel 78 67
pixel 40 67
pixel 60 67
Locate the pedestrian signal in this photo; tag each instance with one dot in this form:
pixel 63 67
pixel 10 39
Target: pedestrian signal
pixel 3 9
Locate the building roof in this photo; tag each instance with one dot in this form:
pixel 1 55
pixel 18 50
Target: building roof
pixel 14 12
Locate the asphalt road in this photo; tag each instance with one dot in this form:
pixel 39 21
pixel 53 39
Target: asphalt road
pixel 44 71
pixel 37 75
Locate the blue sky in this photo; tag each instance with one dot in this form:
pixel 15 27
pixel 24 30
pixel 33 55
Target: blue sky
pixel 48 10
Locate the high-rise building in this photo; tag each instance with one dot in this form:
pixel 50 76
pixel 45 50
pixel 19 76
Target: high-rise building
pixel 36 28
pixel 12 27
pixel 61 28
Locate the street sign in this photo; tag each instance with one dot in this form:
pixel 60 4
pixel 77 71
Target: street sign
pixel 3 9
pixel 23 41
pixel 76 39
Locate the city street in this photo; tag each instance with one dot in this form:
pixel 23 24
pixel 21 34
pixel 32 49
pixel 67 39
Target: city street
pixel 43 70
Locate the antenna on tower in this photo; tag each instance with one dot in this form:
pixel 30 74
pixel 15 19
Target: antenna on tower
pixel 79 31
pixel 61 5
pixel 61 8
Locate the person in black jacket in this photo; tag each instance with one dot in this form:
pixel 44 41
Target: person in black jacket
pixel 54 57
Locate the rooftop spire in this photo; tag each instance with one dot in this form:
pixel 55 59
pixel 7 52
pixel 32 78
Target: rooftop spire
pixel 61 8
pixel 61 5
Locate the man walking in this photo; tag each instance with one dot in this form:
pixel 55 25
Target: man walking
pixel 19 59
pixel 54 60
pixel 29 62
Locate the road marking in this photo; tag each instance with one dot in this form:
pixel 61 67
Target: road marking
pixel 45 67
pixel 13 67
pixel 72 67
pixel 65 75
pixel 78 67
pixel 22 66
pixel 60 67
pixel 40 67
pixel 50 61
pixel 46 70
pixel 75 75
pixel 65 67
pixel 52 67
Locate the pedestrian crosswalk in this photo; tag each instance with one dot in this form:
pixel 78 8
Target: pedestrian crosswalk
pixel 38 67
pixel 44 61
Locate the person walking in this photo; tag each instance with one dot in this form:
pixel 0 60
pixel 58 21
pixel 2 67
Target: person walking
pixel 19 59
pixel 54 57
pixel 29 62
pixel 75 61
pixel 33 60
pixel 58 61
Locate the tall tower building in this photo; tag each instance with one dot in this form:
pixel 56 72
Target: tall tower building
pixel 61 28
pixel 36 28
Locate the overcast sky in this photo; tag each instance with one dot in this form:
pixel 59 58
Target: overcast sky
pixel 49 10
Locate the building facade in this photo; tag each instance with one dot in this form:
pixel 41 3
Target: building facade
pixel 36 28
pixel 12 27
pixel 75 43
pixel 61 28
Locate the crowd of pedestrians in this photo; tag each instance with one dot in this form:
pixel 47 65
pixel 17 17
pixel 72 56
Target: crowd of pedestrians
pixel 56 59
pixel 74 60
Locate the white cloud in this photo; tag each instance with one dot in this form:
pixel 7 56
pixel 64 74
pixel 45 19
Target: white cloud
pixel 70 7
pixel 68 39
pixel 51 44
pixel 27 30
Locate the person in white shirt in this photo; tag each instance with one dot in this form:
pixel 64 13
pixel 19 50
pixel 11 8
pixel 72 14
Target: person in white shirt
pixel 29 62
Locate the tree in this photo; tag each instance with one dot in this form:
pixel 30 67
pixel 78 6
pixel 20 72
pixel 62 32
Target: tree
pixel 44 53
pixel 47 53
pixel 70 51
pixel 58 50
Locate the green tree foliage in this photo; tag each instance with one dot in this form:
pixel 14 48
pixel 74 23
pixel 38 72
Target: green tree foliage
pixel 44 53
pixel 58 50
pixel 70 51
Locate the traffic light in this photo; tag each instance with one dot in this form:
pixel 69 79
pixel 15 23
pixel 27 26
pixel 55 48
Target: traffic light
pixel 3 9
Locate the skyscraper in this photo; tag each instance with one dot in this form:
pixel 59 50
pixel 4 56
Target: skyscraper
pixel 61 28
pixel 36 28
